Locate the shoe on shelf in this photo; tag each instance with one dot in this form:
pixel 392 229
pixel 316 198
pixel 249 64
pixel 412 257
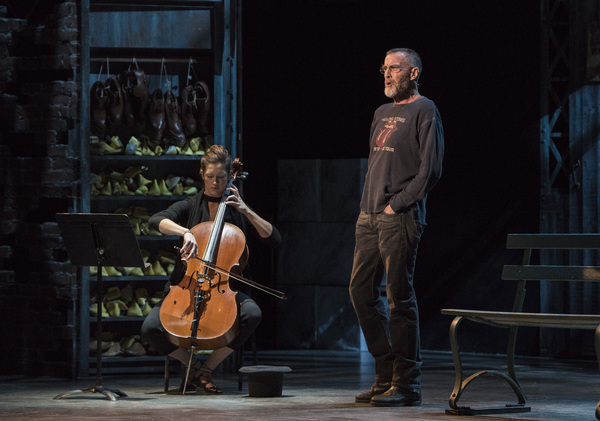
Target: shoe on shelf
pixel 396 396
pixel 113 351
pixel 127 293
pixel 112 293
pixel 134 309
pixel 133 147
pixel 153 190
pixel 178 189
pixel 113 308
pixel 94 310
pixel 158 269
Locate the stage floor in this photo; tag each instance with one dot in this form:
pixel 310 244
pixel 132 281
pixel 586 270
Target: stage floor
pixel 321 386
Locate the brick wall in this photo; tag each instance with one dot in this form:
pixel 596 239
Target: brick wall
pixel 40 169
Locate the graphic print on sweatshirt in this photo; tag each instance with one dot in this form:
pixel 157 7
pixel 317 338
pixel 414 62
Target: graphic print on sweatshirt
pixel 385 132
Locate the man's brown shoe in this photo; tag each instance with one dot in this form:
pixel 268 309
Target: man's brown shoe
pixel 377 389
pixel 395 396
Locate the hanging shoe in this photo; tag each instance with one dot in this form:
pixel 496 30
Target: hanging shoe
pixel 189 111
pixel 114 107
pixel 98 100
pixel 127 81
pixel 140 96
pixel 156 123
pixel 202 106
pixel 174 131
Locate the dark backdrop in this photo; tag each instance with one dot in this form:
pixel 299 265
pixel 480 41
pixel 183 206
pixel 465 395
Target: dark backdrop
pixel 311 84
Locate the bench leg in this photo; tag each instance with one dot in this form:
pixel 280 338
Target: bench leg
pixel 460 385
pixel 458 380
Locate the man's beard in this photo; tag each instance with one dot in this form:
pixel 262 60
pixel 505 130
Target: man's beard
pixel 399 89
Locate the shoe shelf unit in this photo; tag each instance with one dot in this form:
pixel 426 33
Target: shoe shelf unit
pixel 159 86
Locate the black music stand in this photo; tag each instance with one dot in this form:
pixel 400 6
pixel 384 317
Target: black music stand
pixel 99 239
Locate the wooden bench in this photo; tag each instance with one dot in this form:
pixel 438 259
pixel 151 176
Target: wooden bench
pixel 515 318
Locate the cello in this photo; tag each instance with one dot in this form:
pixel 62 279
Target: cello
pixel 201 311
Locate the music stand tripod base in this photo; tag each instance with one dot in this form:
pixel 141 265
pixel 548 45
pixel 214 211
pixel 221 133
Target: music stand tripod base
pixel 99 239
pixel 110 393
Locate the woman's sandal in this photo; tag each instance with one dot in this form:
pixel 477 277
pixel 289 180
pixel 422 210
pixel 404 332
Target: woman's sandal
pixel 201 376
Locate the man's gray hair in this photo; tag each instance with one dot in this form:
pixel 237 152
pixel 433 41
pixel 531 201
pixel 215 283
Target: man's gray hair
pixel 413 56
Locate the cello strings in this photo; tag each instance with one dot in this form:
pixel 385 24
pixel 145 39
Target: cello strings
pixel 221 271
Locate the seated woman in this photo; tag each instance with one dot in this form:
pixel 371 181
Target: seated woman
pixel 177 220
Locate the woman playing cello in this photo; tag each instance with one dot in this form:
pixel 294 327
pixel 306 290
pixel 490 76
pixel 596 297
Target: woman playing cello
pixel 177 220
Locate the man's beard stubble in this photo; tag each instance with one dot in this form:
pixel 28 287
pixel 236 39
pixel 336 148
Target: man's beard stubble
pixel 399 89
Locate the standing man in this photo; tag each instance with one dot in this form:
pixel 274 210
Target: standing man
pixel 405 162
